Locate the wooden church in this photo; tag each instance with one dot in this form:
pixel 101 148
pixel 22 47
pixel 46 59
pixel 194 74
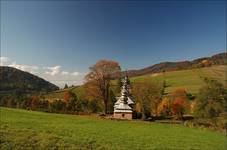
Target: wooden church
pixel 123 107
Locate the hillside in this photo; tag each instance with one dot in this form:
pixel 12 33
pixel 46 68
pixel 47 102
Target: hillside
pixel 29 130
pixel 13 79
pixel 191 80
pixel 218 59
pixel 79 90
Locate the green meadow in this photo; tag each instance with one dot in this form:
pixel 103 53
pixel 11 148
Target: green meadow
pixel 22 129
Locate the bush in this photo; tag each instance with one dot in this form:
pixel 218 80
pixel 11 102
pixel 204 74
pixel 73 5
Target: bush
pixel 218 124
pixel 57 106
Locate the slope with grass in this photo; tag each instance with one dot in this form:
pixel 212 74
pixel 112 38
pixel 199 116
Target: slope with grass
pixel 191 80
pixel 21 129
pixel 79 90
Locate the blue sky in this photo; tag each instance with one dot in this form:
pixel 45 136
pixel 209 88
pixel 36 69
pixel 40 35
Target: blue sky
pixel 69 36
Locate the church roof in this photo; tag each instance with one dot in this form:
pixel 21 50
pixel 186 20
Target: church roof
pixel 123 108
pixel 129 101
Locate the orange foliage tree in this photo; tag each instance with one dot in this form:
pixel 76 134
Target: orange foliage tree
pixel 179 106
pixel 67 96
pixel 98 83
pixel 180 102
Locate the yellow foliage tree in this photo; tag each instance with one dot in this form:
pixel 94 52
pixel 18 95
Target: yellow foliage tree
pixel 164 108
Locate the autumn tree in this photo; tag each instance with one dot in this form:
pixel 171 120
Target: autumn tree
pixel 180 93
pixel 67 96
pixel 147 95
pixel 164 108
pixel 211 100
pixel 179 102
pixel 142 97
pixel 71 101
pixel 178 108
pixel 98 80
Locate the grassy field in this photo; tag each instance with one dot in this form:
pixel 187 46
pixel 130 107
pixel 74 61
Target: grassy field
pixel 191 80
pixel 21 129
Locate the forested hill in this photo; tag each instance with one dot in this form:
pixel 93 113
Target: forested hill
pixel 13 79
pixel 218 59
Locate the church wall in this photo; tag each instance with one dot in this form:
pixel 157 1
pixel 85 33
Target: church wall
pixel 123 115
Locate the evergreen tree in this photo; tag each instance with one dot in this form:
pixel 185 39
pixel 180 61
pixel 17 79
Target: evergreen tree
pixel 66 86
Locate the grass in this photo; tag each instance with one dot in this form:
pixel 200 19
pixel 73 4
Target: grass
pixel 21 129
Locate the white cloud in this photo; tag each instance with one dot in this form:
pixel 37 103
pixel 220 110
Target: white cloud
pixel 61 77
pixel 75 73
pixel 61 83
pixel 4 61
pixel 53 70
pixel 28 68
pixel 65 73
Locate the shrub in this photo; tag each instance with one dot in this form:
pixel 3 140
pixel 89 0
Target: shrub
pixel 57 106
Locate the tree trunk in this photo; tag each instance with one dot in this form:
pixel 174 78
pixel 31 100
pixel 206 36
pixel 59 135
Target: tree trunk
pixel 105 105
pixel 106 97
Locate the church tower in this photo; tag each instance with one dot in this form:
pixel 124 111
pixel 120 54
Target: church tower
pixel 124 104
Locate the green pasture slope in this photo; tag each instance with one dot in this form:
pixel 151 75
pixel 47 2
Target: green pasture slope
pixel 191 80
pixel 79 90
pixel 21 129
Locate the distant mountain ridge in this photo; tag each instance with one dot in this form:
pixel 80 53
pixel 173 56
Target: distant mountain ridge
pixel 217 59
pixel 15 80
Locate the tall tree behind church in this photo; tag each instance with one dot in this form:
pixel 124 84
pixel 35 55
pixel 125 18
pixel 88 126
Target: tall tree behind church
pixel 98 80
